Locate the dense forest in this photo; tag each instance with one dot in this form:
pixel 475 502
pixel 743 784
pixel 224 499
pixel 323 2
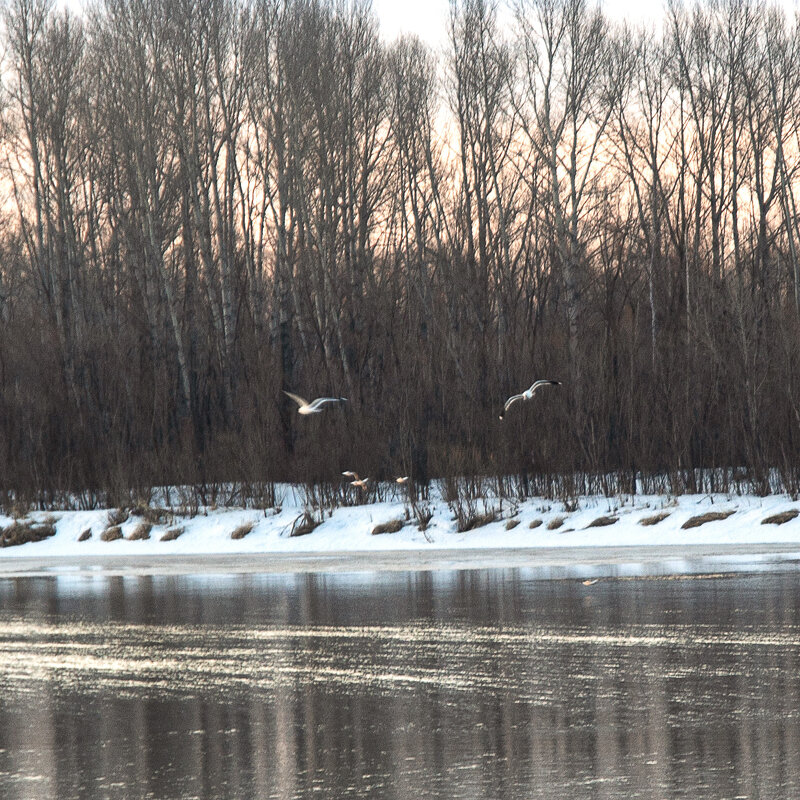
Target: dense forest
pixel 206 202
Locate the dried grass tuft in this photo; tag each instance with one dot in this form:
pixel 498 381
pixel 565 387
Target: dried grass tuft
pixel 117 516
pixel 511 524
pixel 141 531
pixel 477 521
pixel 243 530
pixel 392 526
pixel 555 523
pixel 111 534
pixel 23 532
pixel 87 534
pixel 602 522
pixel 534 523
pixel 710 516
pixel 654 519
pixel 172 534
pixel 779 519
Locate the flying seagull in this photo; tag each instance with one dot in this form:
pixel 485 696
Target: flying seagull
pixel 315 406
pixel 357 482
pixel 402 479
pixel 527 394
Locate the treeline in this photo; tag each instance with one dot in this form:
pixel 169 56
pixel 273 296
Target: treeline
pixel 206 202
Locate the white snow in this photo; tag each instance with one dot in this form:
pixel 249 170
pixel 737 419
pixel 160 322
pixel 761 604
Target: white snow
pixel 349 529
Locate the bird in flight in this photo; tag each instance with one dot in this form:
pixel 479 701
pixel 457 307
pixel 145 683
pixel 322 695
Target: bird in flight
pixel 402 479
pixel 315 406
pixel 527 394
pixel 357 482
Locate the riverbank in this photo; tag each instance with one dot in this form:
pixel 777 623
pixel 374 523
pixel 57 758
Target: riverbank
pixel 596 535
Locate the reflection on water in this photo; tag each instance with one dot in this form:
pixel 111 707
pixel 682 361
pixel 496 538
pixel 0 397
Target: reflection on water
pixel 482 684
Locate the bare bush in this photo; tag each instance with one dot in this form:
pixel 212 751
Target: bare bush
pixel 304 524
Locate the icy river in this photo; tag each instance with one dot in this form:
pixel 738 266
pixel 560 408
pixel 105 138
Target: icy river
pixel 471 684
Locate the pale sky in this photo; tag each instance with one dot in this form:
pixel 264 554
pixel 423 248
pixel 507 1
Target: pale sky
pixel 428 18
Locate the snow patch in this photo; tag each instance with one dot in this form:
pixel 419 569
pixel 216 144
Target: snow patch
pixel 349 529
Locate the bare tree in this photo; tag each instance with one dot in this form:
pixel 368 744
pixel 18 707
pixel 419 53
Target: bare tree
pixel 565 105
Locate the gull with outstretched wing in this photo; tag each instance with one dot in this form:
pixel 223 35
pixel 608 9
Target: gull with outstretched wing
pixel 527 394
pixel 315 406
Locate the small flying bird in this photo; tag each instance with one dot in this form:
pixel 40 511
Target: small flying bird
pixel 357 482
pixel 591 582
pixel 315 406
pixel 401 480
pixel 527 394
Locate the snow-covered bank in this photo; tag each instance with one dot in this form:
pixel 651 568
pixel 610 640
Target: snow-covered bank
pixel 523 532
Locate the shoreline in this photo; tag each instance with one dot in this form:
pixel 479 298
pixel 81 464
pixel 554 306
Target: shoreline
pixel 553 563
pixel 596 537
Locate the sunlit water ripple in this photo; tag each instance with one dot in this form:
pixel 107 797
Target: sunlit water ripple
pixel 478 685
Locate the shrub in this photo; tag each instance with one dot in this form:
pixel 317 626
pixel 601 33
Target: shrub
pixel 87 534
pixel 23 532
pixel 155 516
pixel 555 523
pixel 304 524
pixel 423 513
pixel 534 523
pixel 511 524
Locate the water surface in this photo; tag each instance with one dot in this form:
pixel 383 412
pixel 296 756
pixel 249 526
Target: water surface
pixel 479 684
